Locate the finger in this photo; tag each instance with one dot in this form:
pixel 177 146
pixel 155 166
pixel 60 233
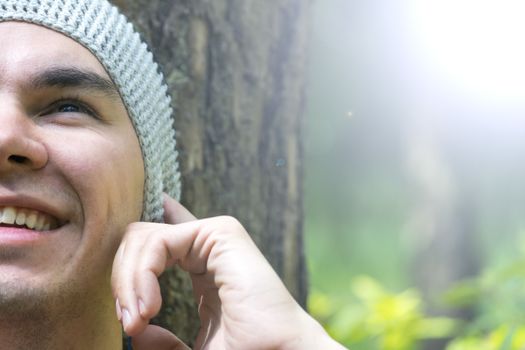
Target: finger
pixel 137 264
pixel 150 266
pixel 158 338
pixel 146 250
pixel 174 212
pixel 123 284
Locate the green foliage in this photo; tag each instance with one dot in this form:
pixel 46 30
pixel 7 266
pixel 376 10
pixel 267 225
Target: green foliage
pixel 498 295
pixel 375 317
pixel 505 337
pixel 371 317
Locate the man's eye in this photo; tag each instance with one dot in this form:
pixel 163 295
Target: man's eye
pixel 69 106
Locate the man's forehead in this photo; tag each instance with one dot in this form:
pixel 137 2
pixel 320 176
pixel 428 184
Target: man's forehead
pixel 29 49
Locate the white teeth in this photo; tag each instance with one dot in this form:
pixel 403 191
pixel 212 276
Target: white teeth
pixel 9 215
pixel 20 217
pixel 30 218
pixel 39 226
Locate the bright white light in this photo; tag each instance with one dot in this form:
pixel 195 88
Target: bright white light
pixel 479 45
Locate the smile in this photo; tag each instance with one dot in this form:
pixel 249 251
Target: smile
pixel 27 218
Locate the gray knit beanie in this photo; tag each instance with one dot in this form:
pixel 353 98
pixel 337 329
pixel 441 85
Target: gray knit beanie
pixel 105 32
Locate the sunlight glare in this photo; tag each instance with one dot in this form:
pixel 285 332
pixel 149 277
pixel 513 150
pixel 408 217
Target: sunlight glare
pixel 477 45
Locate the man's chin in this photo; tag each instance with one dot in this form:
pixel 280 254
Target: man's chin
pixel 19 299
pixel 38 303
pixel 28 314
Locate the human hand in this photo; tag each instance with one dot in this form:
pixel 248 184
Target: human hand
pixel 242 302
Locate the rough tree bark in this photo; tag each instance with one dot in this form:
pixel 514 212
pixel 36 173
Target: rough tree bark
pixel 236 69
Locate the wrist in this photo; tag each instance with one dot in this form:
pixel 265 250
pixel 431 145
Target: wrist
pixel 311 335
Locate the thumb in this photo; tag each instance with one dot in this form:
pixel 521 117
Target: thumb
pixel 174 212
pixel 158 338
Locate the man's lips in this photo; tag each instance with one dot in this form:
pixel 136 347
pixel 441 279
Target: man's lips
pixel 29 212
pixel 21 226
pixel 21 236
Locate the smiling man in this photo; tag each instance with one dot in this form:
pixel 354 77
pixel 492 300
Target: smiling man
pixel 88 174
pixel 71 179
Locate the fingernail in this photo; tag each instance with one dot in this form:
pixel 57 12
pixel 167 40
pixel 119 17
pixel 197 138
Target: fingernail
pixel 126 318
pixel 119 310
pixel 142 308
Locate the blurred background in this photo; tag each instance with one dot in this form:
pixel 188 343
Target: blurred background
pixel 415 168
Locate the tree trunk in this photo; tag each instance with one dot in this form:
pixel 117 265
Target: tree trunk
pixel 235 68
pixel 442 225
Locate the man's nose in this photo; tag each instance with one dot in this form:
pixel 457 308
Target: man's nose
pixel 20 147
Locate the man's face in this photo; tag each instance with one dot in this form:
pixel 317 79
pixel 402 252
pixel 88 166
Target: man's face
pixel 69 158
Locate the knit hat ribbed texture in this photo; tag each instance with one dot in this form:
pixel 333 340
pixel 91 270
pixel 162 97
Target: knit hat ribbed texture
pixel 98 26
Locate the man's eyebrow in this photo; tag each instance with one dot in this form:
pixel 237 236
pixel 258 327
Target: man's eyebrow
pixel 71 77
